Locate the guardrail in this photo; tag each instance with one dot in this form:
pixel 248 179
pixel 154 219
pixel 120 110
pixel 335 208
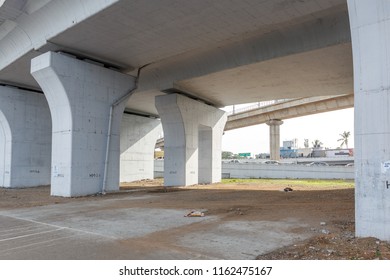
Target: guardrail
pixel 256 106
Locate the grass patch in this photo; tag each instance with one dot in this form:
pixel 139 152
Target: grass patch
pixel 292 182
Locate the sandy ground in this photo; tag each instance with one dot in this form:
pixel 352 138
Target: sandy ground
pixel 310 222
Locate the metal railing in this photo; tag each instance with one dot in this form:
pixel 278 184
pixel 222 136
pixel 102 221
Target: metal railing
pixel 256 106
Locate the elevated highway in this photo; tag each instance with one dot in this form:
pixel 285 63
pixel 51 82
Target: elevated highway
pixel 231 53
pixel 181 61
pixel 289 109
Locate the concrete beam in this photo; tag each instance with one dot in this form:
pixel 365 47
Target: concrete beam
pixel 85 130
pixel 25 138
pixel 298 38
pixel 40 21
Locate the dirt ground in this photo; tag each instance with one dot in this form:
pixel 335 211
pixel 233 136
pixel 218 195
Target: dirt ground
pixel 328 210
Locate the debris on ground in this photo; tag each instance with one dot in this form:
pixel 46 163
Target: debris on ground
pixel 195 213
pixel 338 245
pixel 288 189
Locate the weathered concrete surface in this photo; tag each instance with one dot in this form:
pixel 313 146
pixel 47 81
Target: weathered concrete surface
pixel 138 138
pixel 370 21
pixel 274 138
pixel 86 133
pixel 113 229
pixel 232 53
pixel 25 138
pixel 193 139
pixel 256 170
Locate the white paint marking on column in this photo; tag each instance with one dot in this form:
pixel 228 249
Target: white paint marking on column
pixel 385 167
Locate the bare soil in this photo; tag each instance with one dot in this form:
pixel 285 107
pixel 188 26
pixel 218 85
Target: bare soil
pixel 327 210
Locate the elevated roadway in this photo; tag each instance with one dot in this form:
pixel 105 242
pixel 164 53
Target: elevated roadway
pixel 224 53
pixel 181 61
pixel 289 109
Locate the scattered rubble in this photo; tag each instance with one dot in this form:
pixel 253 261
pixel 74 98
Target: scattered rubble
pixel 338 245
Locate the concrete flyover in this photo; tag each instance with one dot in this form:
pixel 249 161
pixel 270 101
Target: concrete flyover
pixel 95 59
pixel 289 109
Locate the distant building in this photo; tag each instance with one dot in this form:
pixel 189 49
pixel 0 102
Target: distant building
pixel 332 153
pixel 289 149
pixel 290 144
pixel 304 152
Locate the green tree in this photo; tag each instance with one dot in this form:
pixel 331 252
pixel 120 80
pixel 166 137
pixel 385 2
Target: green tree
pixel 316 143
pixel 227 155
pixel 344 138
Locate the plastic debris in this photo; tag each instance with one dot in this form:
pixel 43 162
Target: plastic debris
pixel 194 213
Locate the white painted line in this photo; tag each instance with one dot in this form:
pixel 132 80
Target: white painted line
pixel 34 244
pixel 61 227
pixel 28 235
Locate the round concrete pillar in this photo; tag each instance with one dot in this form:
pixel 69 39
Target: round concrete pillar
pixel 274 141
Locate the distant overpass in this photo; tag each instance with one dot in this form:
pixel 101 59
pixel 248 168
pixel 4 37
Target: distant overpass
pixel 283 110
pixel 289 109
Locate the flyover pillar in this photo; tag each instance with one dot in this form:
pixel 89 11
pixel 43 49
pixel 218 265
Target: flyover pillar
pixel 192 140
pixel 137 142
pixel 85 134
pixel 370 22
pixel 25 138
pixel 274 138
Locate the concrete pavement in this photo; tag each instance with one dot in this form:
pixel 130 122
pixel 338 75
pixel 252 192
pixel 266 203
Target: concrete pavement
pixel 114 229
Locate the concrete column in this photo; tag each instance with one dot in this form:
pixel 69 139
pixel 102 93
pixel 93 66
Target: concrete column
pixel 25 138
pixel 274 138
pixel 370 22
pixel 138 139
pixel 192 140
pixel 80 96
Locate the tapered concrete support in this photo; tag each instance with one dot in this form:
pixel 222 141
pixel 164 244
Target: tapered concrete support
pixel 138 139
pixel 25 138
pixel 274 138
pixel 80 95
pixel 192 140
pixel 370 22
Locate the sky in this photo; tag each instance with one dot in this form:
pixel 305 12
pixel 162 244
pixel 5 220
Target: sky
pixel 325 127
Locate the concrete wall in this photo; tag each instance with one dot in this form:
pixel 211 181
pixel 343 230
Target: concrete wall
pixel 252 170
pixel 255 170
pixel 137 141
pixel 25 138
pixel 159 169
